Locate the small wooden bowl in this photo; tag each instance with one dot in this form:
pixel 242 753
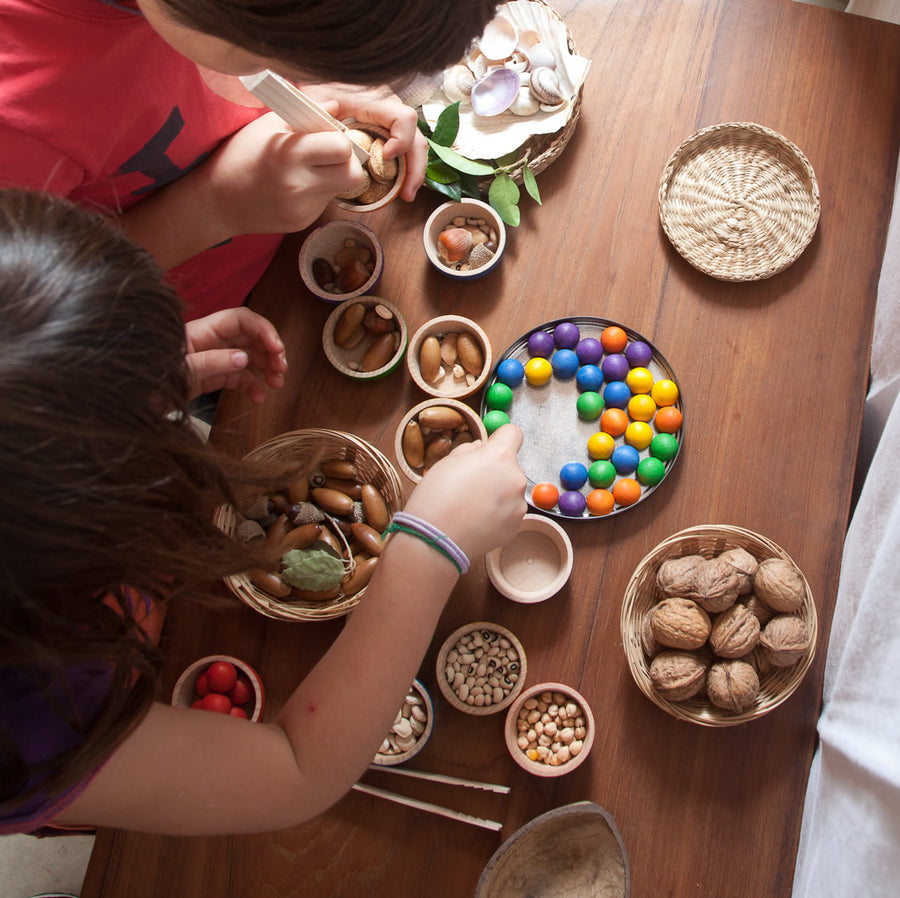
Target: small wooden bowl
pixel 535 565
pixel 389 759
pixel 473 421
pixel 184 694
pixel 642 593
pixel 528 862
pixel 443 216
pixel 447 385
pixel 491 635
pixel 539 768
pixel 325 242
pixel 345 359
pixel 391 195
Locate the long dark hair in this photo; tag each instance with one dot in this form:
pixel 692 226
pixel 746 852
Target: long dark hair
pixel 353 41
pixel 104 483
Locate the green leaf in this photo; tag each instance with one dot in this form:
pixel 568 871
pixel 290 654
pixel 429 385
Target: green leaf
pixel 471 186
pixel 508 159
pixel 312 568
pixel 503 195
pixel 447 125
pixel 529 182
pixel 453 190
pixel 460 163
pixel 424 127
pixel 441 172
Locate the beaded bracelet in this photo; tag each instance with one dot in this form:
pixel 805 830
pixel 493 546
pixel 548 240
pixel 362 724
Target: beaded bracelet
pixel 415 526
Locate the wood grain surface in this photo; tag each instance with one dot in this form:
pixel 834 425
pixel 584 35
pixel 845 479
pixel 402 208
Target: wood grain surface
pixel 774 377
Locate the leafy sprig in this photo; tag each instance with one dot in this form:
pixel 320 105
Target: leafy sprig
pixel 456 176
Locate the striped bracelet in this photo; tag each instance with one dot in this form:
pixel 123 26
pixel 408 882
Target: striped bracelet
pixel 404 522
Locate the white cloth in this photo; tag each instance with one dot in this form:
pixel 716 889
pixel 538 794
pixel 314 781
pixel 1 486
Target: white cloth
pixel 850 837
pixel 889 10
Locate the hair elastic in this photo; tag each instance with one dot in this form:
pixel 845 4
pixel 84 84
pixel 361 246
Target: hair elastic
pixel 415 526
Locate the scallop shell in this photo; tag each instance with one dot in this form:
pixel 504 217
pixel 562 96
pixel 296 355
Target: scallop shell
pixel 545 86
pixel 499 39
pixel 495 92
pixel 457 83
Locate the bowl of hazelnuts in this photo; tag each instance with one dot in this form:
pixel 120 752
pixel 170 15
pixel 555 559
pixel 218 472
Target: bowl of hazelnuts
pixel 719 625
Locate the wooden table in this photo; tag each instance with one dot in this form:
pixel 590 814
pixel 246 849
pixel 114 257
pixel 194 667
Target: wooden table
pixel 774 375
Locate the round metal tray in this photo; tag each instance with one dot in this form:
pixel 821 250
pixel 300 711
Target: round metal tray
pixel 554 432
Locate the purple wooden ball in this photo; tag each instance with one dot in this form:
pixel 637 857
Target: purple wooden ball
pixel 590 351
pixel 572 503
pixel 638 354
pixel 541 344
pixel 566 335
pixel 615 367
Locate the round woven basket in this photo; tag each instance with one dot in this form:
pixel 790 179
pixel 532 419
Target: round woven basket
pixel 542 149
pixel 323 445
pixel 643 593
pixel 739 201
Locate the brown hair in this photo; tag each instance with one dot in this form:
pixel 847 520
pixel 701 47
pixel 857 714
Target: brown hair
pixel 104 482
pixel 353 41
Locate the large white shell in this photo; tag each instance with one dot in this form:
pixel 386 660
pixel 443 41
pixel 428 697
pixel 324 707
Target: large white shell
pixel 499 39
pixel 495 92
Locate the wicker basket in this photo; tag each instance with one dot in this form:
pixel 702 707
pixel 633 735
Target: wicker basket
pixel 739 201
pixel 325 445
pixel 642 594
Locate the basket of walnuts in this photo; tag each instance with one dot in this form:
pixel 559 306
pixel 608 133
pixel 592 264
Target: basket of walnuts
pixel 719 625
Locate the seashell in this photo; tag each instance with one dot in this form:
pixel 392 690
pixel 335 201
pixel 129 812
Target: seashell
pixel 418 89
pixel 545 86
pixel 517 62
pixel 540 55
pixel 457 83
pixel 454 244
pixel 527 39
pixel 479 256
pixel 495 92
pixel 525 103
pixel 499 39
pixel 477 63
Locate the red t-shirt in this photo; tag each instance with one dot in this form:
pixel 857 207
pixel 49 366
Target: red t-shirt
pixel 95 106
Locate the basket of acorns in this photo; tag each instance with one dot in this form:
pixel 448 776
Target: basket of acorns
pixel 327 524
pixel 719 625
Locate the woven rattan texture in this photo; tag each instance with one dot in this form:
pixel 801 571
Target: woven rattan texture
pixel 739 201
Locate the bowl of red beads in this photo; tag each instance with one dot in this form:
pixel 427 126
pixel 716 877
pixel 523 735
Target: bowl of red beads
pixel 223 684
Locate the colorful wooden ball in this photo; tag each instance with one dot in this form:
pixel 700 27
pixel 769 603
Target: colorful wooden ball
pixel 601 445
pixel 664 447
pixel 668 419
pixel 573 475
pixel 540 343
pixel 641 407
pixel 544 495
pixel 614 421
pixel 499 396
pixel 626 491
pixel 639 380
pixel 589 377
pixel 638 353
pixel 538 371
pixel 638 434
pixel 625 459
pixel 589 405
pixel 590 351
pixel 566 335
pixel 572 503
pixel 600 502
pixel 601 473
pixel 564 362
pixel 495 419
pixel 613 338
pixel 615 366
pixel 665 392
pixel 616 394
pixel 650 471
pixel 511 372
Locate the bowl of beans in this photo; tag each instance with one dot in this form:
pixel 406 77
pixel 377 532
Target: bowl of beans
pixel 341 260
pixel 410 730
pixel 549 729
pixel 449 356
pixel 223 684
pixel 365 338
pixel 481 668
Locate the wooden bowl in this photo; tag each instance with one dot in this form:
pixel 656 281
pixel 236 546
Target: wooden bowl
pixel 538 694
pixel 391 757
pixel 391 195
pixel 448 383
pixel 472 421
pixel 325 242
pixel 350 361
pixel 583 834
pixel 535 565
pixel 301 446
pixel 184 694
pixel 471 210
pixel 642 593
pixel 483 637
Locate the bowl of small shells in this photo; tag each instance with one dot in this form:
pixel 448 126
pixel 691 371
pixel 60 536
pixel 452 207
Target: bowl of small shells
pixel 449 356
pixel 431 430
pixel 719 625
pixel 410 730
pixel 481 668
pixel 464 240
pixel 549 729
pixel 365 338
pixel 325 524
pixel 341 260
pixel 383 177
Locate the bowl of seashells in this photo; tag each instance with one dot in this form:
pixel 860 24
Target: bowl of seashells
pixel 464 240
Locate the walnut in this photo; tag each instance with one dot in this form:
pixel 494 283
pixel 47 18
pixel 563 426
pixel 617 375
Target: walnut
pixel 785 640
pixel 763 612
pixel 779 584
pixel 677 676
pixel 717 584
pixel 648 641
pixel 745 564
pixel 675 576
pixel 759 658
pixel 735 632
pixel 732 685
pixel 680 623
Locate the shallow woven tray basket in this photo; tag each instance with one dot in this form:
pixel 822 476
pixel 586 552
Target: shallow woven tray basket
pixel 642 594
pixel 542 149
pixel 373 467
pixel 739 201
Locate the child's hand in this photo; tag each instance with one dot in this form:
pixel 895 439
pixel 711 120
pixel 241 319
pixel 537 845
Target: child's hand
pixel 235 349
pixel 476 495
